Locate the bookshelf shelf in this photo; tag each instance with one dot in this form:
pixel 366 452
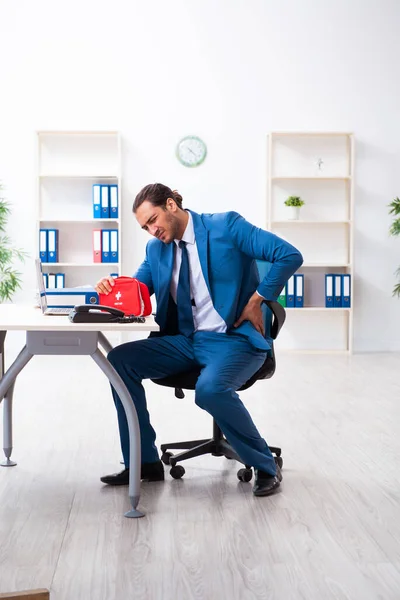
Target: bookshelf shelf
pixel 76 176
pixel 106 266
pixel 312 134
pixel 78 221
pixel 311 178
pixel 324 265
pixel 318 308
pixel 299 222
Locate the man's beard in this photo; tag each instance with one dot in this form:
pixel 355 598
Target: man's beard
pixel 174 228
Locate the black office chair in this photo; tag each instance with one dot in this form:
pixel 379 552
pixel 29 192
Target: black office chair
pixel 274 318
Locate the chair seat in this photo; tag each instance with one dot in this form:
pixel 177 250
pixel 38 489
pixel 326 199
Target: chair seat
pixel 186 380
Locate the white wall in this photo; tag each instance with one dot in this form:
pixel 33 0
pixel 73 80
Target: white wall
pixel 229 71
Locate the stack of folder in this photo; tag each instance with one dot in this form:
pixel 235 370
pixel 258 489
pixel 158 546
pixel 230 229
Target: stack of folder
pixel 70 297
pixel 292 295
pixel 105 201
pixel 337 290
pixel 54 280
pixel 48 245
pixel 105 246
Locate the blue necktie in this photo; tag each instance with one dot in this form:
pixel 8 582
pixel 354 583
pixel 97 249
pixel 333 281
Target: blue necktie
pixel 185 314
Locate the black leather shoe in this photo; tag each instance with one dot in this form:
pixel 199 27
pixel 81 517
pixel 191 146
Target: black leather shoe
pixel 266 484
pixel 149 472
pixel 152 471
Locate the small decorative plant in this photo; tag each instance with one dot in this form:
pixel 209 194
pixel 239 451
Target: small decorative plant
pixel 10 279
pixel 395 230
pixel 294 203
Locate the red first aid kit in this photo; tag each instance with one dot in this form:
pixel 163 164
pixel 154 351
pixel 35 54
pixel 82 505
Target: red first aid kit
pixel 129 295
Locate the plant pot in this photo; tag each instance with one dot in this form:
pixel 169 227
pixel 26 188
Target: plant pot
pixel 293 213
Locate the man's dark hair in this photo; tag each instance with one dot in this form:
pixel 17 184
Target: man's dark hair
pixel 157 194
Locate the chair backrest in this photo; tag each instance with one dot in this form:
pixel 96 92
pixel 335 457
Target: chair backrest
pixel 274 318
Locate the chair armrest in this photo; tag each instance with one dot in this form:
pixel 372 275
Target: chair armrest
pixel 278 317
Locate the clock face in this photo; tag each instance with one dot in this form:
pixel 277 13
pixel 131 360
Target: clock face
pixel 191 151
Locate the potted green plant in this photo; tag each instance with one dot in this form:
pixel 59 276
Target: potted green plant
pixel 10 279
pixel 294 203
pixel 395 230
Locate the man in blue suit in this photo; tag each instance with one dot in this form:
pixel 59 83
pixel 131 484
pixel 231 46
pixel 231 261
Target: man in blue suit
pixel 202 269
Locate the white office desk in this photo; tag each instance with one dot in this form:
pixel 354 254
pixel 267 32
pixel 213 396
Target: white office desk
pixel 56 335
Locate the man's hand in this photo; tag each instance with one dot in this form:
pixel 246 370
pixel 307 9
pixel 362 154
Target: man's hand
pixel 105 285
pixel 252 312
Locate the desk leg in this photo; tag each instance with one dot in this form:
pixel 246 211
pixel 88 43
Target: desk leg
pixel 7 411
pixel 7 428
pixel 103 341
pixel 6 391
pixel 2 338
pixel 134 430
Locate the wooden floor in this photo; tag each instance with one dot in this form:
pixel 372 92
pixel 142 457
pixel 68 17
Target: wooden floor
pixel 332 533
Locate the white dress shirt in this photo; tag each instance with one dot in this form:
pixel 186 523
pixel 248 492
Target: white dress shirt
pixel 205 316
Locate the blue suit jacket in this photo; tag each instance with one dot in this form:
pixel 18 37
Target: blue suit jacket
pixel 228 247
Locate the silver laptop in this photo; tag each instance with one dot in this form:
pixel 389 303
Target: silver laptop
pixel 42 294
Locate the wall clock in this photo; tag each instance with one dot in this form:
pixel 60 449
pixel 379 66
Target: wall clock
pixel 191 151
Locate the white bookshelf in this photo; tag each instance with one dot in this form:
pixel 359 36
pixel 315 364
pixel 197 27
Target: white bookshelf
pixel 68 164
pixel 323 234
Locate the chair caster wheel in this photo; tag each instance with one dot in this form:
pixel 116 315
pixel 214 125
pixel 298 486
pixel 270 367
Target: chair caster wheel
pixel 165 457
pixel 177 472
pixel 278 461
pixel 245 475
